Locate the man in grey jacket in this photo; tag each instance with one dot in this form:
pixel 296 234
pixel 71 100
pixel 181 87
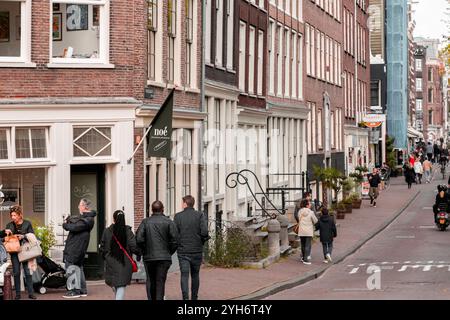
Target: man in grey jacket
pixel 192 234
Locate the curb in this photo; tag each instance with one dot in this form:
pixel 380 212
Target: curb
pixel 291 283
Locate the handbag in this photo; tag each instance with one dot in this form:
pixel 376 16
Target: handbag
pixel 133 263
pixel 12 244
pixel 30 251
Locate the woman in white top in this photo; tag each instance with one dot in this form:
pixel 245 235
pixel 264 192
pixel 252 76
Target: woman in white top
pixel 307 220
pixel 418 169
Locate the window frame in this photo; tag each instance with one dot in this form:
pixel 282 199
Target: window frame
pixel 24 59
pixel 104 38
pixel 8 144
pixel 88 127
pixel 11 144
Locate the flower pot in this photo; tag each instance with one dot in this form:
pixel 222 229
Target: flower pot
pixel 348 207
pixel 340 214
pixel 357 204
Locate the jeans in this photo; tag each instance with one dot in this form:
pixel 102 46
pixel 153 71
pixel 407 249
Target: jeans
pixel 327 248
pixel 427 175
pixel 156 278
pixel 120 292
pixel 190 263
pixel 76 279
pixel 16 272
pixel 306 247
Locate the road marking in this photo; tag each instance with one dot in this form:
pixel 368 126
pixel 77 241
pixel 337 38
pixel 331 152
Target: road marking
pixel 354 270
pixel 362 264
pixel 430 261
pixel 407 262
pixel 427 268
pixel 395 262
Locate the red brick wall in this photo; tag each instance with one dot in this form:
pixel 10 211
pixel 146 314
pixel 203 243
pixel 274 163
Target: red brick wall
pixel 127 32
pixel 314 88
pixel 139 180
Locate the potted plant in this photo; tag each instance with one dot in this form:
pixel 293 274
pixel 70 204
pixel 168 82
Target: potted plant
pixel 340 210
pixel 356 200
pixel 348 203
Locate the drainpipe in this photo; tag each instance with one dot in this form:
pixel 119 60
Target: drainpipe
pixel 202 108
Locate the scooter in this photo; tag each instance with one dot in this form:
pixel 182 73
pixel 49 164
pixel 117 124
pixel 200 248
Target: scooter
pixel 442 221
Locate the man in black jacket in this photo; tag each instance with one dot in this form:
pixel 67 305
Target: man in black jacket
pixel 157 237
pixel 79 227
pixel 374 181
pixel 193 233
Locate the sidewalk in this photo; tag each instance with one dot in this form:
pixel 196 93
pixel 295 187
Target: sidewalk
pixel 221 284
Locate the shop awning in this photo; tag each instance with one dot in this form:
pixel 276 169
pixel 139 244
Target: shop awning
pixel 413 133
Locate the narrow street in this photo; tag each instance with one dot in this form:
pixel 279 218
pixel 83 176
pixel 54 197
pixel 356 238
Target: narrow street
pixel 413 257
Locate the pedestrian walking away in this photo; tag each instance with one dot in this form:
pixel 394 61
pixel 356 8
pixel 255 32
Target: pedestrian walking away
pixel 193 233
pixel 327 228
pixel 79 227
pixel 157 239
pixel 409 173
pixel 418 169
pixel 117 246
pixel 20 227
pixel 307 221
pixel 429 151
pixel 374 182
pixel 427 167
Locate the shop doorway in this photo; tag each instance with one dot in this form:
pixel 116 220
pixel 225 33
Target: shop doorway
pixel 88 181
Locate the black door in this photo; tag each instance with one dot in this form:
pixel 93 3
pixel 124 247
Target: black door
pixel 88 181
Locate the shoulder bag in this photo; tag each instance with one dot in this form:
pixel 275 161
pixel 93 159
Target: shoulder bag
pixel 133 263
pixel 30 251
pixel 12 244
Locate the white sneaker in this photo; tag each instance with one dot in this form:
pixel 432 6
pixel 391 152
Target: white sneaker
pixel 309 258
pixel 329 258
pixel 306 262
pixel 325 261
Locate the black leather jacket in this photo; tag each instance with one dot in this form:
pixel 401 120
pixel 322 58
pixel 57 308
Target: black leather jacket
pixel 157 238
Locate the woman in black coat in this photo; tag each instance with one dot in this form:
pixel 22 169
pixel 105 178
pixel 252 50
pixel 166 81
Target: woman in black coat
pixel 410 175
pixel 20 227
pixel 118 267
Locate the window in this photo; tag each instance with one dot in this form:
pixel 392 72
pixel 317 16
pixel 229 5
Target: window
pixel 313 127
pixel 90 43
pixel 418 64
pixel 31 143
pixel 308 128
pixel 260 63
pixel 430 74
pixel 419 85
pixel 92 141
pixel 419 104
pixel 218 133
pixel 4 144
pixel 208 34
pixel 15 42
pixel 287 68
pixel 242 60
pixel 300 67
pixel 294 65
pixel 333 127
pixel 251 61
pixel 308 50
pixel 152 26
pixel 152 22
pixel 219 33
pixel 230 34
pixel 322 56
pixel 280 61
pixel 430 117
pixel 189 40
pixel 313 52
pixel 430 95
pixel 171 30
pixel 187 158
pixel 271 45
pixel 374 93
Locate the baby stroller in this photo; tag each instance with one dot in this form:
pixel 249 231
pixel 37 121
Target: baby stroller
pixel 3 266
pixel 54 276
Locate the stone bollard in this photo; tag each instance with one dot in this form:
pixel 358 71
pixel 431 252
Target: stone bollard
pixel 274 228
pixel 284 237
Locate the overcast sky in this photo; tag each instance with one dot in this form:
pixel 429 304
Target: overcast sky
pixel 428 15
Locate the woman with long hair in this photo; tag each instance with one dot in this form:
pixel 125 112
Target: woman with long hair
pixel 20 227
pixel 118 268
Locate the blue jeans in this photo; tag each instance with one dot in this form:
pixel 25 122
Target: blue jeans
pixel 16 272
pixel 327 248
pixel 190 263
pixel 306 247
pixel 75 278
pixel 120 292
